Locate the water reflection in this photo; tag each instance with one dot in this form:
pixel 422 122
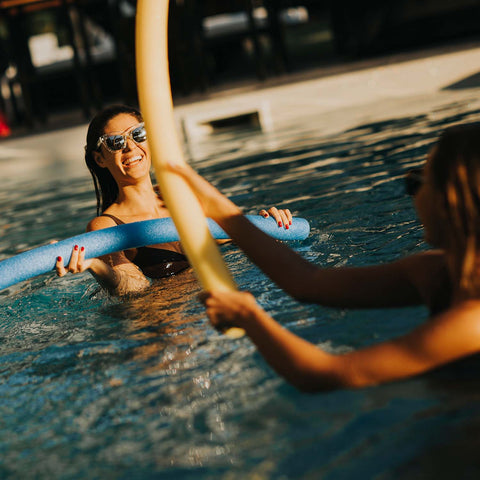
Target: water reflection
pixel 94 387
pixel 163 319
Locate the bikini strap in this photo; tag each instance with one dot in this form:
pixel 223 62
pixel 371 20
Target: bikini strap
pixel 115 219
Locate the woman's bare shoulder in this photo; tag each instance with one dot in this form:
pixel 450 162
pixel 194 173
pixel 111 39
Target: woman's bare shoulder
pixel 460 324
pixel 99 223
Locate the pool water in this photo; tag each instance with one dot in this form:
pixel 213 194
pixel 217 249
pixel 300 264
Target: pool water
pixel 91 387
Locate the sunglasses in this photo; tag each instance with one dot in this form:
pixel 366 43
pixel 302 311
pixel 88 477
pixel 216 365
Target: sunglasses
pixel 414 179
pixel 116 142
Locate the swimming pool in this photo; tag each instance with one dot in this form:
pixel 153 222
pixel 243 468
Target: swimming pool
pixel 94 388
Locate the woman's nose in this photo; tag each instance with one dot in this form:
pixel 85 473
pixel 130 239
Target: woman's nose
pixel 129 144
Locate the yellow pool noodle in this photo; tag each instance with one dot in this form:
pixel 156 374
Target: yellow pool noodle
pixel 155 97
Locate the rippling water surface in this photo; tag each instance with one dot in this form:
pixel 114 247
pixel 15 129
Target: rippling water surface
pixel 94 388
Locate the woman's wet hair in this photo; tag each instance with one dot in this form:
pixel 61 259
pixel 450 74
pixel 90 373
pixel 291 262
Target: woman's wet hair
pixel 455 169
pixel 106 188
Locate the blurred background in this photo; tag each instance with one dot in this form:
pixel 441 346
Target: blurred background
pixel 62 60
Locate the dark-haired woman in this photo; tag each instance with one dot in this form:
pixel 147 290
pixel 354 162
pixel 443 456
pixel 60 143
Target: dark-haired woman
pixel 447 198
pixel 118 158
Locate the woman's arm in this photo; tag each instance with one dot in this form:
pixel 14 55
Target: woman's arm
pixel 448 337
pixel 113 272
pixel 379 286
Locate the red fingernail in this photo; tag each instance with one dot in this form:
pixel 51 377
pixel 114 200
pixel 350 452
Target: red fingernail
pixel 82 249
pixel 265 215
pixel 287 227
pixel 279 224
pixel 75 247
pixel 59 259
pixel 290 222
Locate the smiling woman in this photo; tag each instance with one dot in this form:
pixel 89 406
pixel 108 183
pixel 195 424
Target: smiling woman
pixel 118 157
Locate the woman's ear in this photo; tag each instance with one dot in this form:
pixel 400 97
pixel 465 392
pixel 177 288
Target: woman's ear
pixel 99 160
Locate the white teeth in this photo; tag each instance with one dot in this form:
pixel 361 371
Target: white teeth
pixel 128 161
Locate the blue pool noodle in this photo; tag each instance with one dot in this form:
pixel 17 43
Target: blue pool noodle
pixel 131 235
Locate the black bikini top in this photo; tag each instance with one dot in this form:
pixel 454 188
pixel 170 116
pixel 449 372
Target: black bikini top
pixel 154 262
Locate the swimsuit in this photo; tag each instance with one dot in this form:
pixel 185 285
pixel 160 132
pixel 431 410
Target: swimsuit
pixel 154 262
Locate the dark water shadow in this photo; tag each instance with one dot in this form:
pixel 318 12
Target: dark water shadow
pixel 473 81
pixel 453 453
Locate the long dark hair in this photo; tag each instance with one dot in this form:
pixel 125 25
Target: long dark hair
pixel 106 188
pixel 455 170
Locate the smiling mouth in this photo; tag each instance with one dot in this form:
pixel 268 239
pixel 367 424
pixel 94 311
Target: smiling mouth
pixel 129 162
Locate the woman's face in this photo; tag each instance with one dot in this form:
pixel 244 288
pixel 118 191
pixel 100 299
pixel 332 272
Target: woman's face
pixel 429 206
pixel 130 163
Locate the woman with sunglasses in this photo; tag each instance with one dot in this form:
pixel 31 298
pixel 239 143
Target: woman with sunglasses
pixel 118 158
pixel 447 279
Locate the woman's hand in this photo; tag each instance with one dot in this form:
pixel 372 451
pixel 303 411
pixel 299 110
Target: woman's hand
pixel 122 279
pixel 229 309
pixel 77 264
pixel 283 217
pixel 105 275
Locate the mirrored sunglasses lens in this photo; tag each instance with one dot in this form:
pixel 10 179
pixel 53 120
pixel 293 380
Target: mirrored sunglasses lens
pixel 115 142
pixel 139 134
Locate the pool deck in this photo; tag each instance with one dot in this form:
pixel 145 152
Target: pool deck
pixel 345 99
pixel 334 98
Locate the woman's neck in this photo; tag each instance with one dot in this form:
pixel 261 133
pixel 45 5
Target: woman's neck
pixel 138 199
